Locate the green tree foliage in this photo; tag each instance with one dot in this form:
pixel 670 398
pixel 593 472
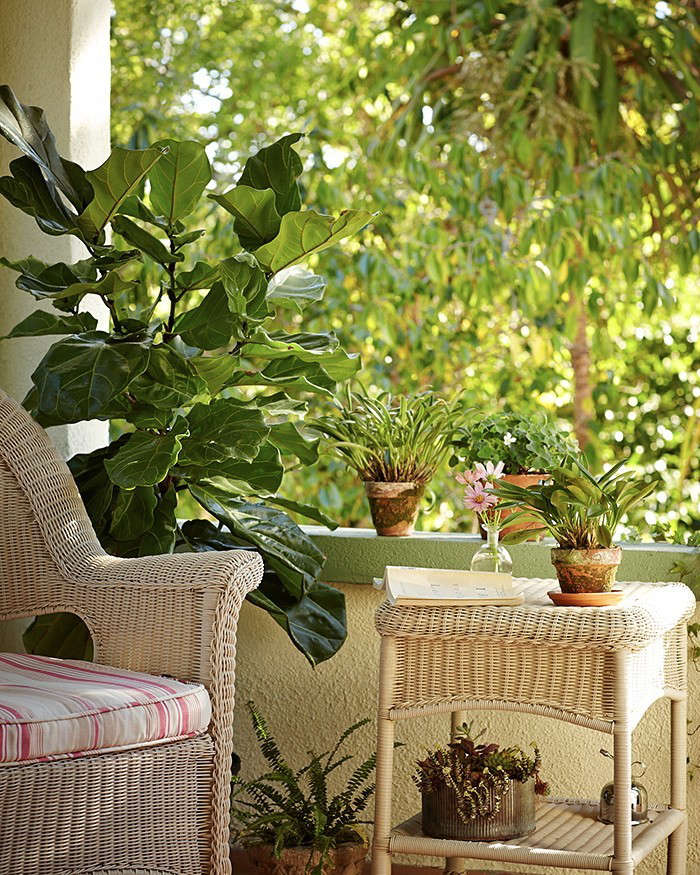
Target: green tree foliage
pixel 195 367
pixel 536 165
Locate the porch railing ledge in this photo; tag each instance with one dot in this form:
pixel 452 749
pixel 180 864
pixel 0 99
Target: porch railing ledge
pixel 358 555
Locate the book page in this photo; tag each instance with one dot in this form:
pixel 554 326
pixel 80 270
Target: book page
pixel 405 582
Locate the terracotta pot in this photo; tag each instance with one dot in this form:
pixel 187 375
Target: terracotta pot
pixel 523 480
pixel 394 506
pixel 586 570
pixel 344 860
pixel 515 817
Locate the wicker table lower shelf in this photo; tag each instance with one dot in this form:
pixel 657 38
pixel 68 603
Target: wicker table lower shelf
pixel 567 834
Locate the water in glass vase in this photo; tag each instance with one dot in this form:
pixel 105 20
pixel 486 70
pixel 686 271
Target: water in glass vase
pixel 492 556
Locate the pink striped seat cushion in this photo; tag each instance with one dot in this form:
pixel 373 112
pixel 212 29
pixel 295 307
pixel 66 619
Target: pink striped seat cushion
pixel 52 708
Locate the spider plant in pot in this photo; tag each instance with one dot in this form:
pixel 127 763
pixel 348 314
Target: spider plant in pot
pixel 526 445
pixel 395 444
pixel 582 512
pixel 289 820
pixel 475 791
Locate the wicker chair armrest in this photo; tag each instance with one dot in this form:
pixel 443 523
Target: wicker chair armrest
pixel 171 614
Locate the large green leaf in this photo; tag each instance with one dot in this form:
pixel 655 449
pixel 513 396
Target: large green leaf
pixel 54 281
pixel 144 240
pixel 146 458
pixel 160 538
pixel 27 190
pixel 223 429
pixel 169 381
pixel 211 324
pixel 132 514
pixel 290 441
pixel 288 552
pixel 261 477
pixel 62 635
pixel 201 276
pixel 315 622
pixel 217 371
pixel 179 178
pixel 80 375
pixel 305 232
pixel 276 167
pixel 306 510
pixel 26 127
pixel 296 286
pixel 42 322
pixel 112 182
pixel 246 287
pixel 322 349
pixel 256 220
pixel 289 373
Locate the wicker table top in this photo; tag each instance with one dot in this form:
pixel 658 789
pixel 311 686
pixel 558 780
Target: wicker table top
pixel 648 612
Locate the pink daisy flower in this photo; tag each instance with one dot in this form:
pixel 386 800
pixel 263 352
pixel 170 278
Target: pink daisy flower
pixel 467 478
pixel 477 498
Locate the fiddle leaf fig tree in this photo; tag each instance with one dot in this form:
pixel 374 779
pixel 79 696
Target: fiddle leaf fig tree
pixel 207 386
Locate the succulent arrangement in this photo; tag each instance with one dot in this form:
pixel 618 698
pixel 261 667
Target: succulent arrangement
pixel 525 443
pixel 293 807
pixel 480 774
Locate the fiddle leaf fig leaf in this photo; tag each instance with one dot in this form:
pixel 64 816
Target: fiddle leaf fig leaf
pixel 276 167
pixel 223 429
pixel 26 127
pixel 211 324
pixel 144 240
pixel 216 371
pixel 179 178
pixel 80 375
pixel 290 441
pixel 42 322
pixel 305 510
pixel 256 220
pixel 112 182
pixel 146 457
pixel 169 381
pixel 245 285
pixel 261 477
pixel 303 233
pixel 132 514
pixel 202 276
pixel 27 190
pixel 296 286
pixel 320 348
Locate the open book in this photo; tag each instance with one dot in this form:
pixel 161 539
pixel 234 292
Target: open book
pixel 428 587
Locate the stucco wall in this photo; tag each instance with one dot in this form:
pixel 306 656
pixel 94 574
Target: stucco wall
pixel 54 55
pixel 309 708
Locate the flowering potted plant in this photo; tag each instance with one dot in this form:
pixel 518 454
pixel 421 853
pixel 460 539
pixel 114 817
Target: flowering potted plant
pixel 395 444
pixel 480 496
pixel 526 445
pixel 582 512
pixel 478 792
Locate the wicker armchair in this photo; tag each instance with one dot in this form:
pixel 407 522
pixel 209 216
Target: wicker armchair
pixel 159 809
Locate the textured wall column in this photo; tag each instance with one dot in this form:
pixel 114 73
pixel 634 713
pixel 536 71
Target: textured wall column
pixel 54 55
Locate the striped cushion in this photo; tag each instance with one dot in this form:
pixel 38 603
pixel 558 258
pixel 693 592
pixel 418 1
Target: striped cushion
pixel 53 708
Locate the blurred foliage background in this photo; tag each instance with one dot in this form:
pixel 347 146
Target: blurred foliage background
pixel 536 167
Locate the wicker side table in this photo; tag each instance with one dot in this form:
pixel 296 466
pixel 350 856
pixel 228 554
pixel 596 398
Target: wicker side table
pixel 599 668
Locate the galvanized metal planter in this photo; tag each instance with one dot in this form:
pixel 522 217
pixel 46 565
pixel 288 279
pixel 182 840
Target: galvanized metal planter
pixel 515 818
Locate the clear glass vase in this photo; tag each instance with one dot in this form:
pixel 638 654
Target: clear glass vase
pixel 492 556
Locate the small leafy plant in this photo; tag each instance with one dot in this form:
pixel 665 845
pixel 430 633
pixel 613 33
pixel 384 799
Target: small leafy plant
pixel 524 443
pixel 579 510
pixel 391 439
pixel 291 808
pixel 479 774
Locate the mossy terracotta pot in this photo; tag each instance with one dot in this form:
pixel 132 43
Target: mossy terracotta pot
pixel 346 859
pixel 394 506
pixel 586 570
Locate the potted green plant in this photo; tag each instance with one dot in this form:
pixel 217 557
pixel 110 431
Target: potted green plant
pixel 581 512
pixel 395 443
pixel 528 445
pixel 289 820
pixel 478 792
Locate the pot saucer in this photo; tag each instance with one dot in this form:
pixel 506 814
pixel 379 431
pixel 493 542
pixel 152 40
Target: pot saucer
pixel 586 599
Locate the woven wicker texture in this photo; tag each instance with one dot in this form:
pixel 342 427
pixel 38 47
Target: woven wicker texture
pixel 172 615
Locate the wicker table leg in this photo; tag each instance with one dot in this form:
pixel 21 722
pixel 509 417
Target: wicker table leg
pixel 622 777
pixel 678 840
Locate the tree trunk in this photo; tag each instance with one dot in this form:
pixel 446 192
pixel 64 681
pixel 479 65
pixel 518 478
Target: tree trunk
pixel 583 393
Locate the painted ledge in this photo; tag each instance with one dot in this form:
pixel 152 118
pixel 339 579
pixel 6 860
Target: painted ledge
pixel 358 555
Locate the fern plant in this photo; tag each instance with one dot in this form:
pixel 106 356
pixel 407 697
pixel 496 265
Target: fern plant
pixel 289 808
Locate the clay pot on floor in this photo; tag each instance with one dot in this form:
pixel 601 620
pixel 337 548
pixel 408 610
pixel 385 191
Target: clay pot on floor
pixel 344 860
pixel 523 480
pixel 394 506
pixel 586 570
